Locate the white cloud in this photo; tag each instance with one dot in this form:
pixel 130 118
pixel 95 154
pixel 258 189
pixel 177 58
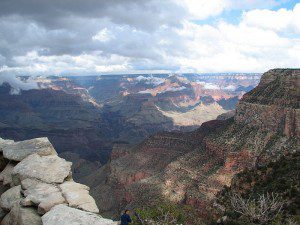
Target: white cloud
pixel 280 20
pixel 103 35
pixel 16 83
pixel 173 89
pixel 202 9
pixel 151 80
pixel 33 63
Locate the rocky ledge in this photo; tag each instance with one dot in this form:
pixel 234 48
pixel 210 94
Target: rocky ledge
pixel 37 187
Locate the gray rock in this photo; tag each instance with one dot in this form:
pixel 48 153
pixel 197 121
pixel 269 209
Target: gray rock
pixel 22 216
pixel 64 215
pixel 49 169
pixel 17 151
pixel 77 195
pixel 40 194
pixel 5 175
pixel 2 214
pixel 4 143
pixel 10 197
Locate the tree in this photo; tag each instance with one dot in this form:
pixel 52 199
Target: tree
pixel 259 210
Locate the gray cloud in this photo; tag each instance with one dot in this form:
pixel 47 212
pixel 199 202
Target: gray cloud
pixel 57 14
pixel 68 27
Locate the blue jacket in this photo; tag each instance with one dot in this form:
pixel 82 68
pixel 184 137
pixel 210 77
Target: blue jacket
pixel 125 219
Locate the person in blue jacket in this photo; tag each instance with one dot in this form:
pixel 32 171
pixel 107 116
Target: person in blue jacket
pixel 125 218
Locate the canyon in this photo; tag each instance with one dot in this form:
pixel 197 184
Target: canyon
pixel 85 117
pixel 191 168
pixel 241 149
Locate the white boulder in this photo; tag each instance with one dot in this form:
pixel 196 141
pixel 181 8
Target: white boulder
pixel 64 215
pixel 40 194
pixel 17 151
pixel 49 169
pixel 77 195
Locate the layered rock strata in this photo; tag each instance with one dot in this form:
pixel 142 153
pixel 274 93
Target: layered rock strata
pixel 191 168
pixel 37 188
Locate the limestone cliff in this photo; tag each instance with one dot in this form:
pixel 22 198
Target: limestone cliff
pixel 37 187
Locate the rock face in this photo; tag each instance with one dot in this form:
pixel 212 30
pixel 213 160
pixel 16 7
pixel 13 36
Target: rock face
pixel 137 177
pixel 274 104
pixel 39 184
pixel 191 168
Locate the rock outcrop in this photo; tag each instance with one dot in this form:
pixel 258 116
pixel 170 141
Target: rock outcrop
pixel 37 188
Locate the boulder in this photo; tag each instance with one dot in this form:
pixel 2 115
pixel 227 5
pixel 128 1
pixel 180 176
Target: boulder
pixel 49 169
pixel 22 216
pixel 10 197
pixel 77 195
pixel 4 143
pixel 64 215
pixel 17 151
pixel 40 194
pixel 5 175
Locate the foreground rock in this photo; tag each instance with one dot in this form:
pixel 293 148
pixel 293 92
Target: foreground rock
pixel 22 216
pixel 77 195
pixel 44 187
pixel 10 197
pixel 18 151
pixel 43 195
pixel 4 143
pixel 5 175
pixel 49 169
pixel 64 215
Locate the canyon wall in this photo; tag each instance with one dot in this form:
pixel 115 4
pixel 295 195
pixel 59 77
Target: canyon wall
pixel 191 168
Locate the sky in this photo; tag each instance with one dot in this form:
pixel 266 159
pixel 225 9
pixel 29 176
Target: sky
pixel 85 37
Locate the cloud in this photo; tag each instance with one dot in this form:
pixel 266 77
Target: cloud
pixel 280 20
pixel 100 36
pixel 33 63
pixel 173 89
pixel 156 81
pixel 203 9
pixel 16 83
pixel 103 35
pixel 57 14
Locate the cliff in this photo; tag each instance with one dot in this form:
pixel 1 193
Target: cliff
pixel 191 168
pixel 280 179
pixel 37 187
